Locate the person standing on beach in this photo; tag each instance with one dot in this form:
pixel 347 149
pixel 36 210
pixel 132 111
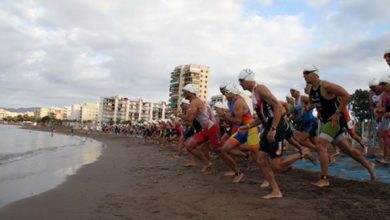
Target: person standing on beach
pixel 330 99
pixel 52 129
pixel 210 129
pixel 269 112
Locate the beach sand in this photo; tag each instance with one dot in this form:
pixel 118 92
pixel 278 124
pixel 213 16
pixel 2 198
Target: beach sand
pixel 135 181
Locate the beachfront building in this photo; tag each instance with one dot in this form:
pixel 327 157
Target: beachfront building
pixel 75 112
pixel 89 112
pixel 146 111
pixel 186 74
pixel 117 109
pixel 113 109
pixel 4 114
pixel 217 98
pixel 67 112
pixel 53 112
pixel 159 110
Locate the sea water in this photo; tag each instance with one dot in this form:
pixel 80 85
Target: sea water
pixel 32 162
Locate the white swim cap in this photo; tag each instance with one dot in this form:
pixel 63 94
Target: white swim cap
pixel 246 74
pixel 185 101
pixel 384 79
pixel 223 85
pixel 311 68
pixel 232 89
pixel 373 82
pixel 221 105
pixel 190 88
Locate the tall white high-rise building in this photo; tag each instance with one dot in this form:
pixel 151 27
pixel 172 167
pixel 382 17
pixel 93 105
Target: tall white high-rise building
pixel 186 74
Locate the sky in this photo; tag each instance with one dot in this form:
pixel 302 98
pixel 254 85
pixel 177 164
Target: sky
pixel 58 53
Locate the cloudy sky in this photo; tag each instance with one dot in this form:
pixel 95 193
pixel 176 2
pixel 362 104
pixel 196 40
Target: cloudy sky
pixel 56 53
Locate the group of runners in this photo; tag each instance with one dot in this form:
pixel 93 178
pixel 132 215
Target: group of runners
pixel 255 128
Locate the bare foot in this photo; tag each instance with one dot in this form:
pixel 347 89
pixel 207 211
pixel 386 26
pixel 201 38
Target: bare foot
pixel 273 195
pixel 190 164
pixel 265 184
pixel 229 173
pixel 238 178
pixel 321 183
pixel 307 155
pixel 177 156
pixel 382 161
pixel 206 167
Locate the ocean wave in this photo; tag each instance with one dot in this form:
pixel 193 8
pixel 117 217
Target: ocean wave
pixel 13 157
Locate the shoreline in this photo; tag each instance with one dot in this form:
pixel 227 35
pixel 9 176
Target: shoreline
pixel 135 181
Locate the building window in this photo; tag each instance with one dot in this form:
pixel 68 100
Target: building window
pixel 206 76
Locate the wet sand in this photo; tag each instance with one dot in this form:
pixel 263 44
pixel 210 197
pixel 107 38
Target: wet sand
pixel 135 181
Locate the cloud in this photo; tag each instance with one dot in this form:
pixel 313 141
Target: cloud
pixel 64 52
pixel 317 3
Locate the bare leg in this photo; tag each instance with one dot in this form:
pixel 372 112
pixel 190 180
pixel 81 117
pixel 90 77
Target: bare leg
pixel 269 176
pixel 280 163
pixel 232 164
pixel 255 157
pixel 324 161
pixel 356 155
pixel 191 147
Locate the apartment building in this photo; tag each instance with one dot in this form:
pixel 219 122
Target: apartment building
pixel 186 74
pixel 116 109
pixel 89 112
pixel 53 112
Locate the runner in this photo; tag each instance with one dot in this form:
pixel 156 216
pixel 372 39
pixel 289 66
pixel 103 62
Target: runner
pixel 240 115
pixel 188 132
pixel 269 112
pixel 324 96
pixel 210 130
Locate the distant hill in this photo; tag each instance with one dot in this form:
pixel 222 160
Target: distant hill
pixel 20 110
